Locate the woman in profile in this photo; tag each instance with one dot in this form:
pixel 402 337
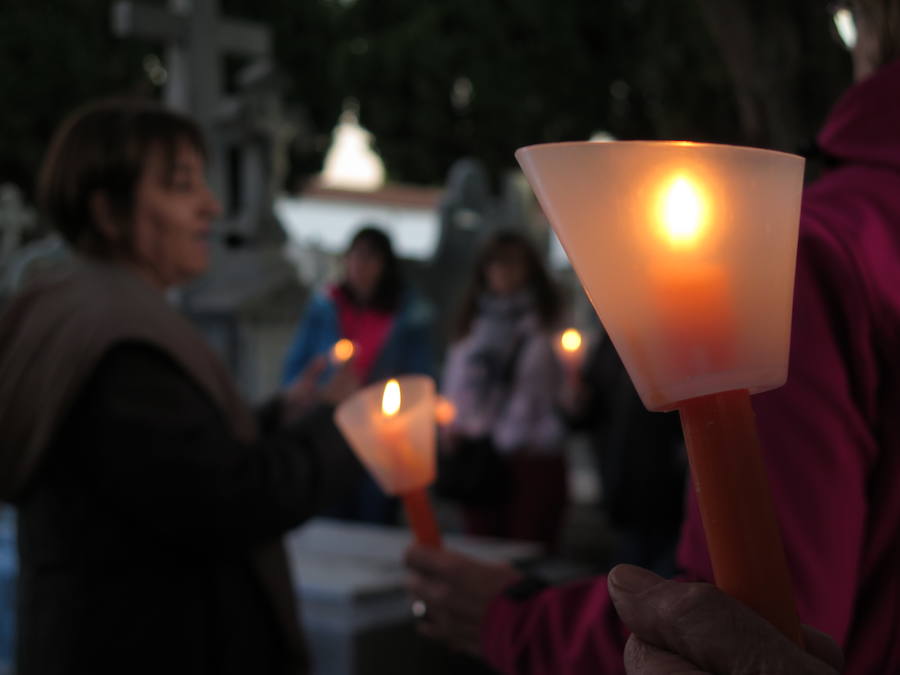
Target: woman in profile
pixel 151 499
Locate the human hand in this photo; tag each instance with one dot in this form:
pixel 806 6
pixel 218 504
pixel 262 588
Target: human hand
pixel 343 384
pixel 302 392
pixel 695 629
pixel 456 590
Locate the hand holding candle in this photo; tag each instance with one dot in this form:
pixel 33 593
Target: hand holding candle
pixel 391 427
pixel 570 349
pixel 687 252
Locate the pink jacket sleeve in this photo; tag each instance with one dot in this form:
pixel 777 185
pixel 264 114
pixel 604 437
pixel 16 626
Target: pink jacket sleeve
pixel 818 448
pixel 571 629
pixel 817 440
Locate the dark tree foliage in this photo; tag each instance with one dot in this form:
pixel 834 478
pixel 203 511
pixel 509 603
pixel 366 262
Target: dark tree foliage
pixel 553 71
pixel 440 79
pixel 539 71
pixel 54 56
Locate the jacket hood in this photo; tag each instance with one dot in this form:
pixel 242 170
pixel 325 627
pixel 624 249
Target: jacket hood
pixel 864 125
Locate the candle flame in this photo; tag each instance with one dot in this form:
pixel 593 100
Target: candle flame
pixel 390 400
pixel 343 350
pixel 570 340
pixel 682 212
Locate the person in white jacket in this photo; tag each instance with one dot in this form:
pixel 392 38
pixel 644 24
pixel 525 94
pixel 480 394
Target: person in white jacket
pixel 503 377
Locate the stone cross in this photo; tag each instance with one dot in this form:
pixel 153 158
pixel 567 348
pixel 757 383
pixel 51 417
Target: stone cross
pixel 255 125
pixel 197 38
pixel 15 219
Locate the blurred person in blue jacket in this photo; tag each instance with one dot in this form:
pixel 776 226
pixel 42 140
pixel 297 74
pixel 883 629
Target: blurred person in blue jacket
pixel 390 326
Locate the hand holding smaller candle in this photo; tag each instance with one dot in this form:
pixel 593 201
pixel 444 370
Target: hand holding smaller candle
pixel 457 591
pixel 307 388
pixel 344 383
pixel 391 427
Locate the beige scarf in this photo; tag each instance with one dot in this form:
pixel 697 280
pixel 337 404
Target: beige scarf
pixel 53 334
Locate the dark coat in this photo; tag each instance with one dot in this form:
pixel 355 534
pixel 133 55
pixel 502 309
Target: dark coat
pixel 640 454
pixel 136 531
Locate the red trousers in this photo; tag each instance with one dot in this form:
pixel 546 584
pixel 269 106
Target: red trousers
pixel 535 505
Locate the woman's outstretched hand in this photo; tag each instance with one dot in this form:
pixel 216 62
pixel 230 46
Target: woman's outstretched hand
pixel 306 391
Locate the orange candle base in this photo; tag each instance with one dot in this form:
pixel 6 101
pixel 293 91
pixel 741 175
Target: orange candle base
pixel 421 518
pixel 735 500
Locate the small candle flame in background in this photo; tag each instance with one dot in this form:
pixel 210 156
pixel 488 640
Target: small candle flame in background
pixel 390 400
pixel 342 351
pixel 444 411
pixel 683 212
pixel 570 340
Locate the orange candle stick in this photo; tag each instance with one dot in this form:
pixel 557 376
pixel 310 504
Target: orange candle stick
pixel 687 252
pixel 393 434
pixel 420 515
pixel 736 506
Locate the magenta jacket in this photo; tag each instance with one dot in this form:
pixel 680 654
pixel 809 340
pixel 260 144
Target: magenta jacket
pixel 831 435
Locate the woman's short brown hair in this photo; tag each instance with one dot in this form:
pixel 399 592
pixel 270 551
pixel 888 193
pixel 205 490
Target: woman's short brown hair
pixel 103 147
pixel 538 281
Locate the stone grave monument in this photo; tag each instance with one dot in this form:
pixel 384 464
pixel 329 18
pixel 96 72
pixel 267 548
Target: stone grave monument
pixel 249 302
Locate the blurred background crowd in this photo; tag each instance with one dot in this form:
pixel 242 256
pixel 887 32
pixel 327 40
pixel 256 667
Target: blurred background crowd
pixel 362 154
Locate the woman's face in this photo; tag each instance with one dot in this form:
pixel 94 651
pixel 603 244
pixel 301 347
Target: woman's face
pixel 173 214
pixel 507 271
pixel 364 266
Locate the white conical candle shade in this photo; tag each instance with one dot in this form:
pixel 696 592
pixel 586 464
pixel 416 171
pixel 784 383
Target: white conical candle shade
pixel 397 449
pixel 687 252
